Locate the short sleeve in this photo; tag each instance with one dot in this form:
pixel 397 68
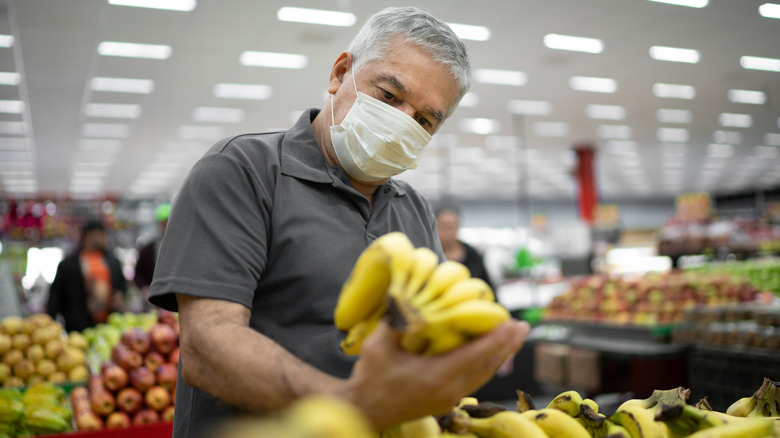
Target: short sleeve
pixel 217 234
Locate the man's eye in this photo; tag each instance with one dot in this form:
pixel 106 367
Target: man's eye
pixel 423 121
pixel 388 95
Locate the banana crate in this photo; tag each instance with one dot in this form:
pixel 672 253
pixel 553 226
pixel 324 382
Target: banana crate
pixel 725 374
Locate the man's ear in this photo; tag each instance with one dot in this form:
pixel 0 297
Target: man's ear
pixel 342 65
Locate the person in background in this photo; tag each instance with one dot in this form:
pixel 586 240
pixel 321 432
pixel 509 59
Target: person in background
pixel 89 283
pixel 448 224
pixel 267 227
pixel 147 256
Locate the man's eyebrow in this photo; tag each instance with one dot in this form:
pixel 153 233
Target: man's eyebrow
pixel 438 115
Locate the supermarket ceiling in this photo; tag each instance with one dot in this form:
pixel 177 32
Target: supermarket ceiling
pixel 660 127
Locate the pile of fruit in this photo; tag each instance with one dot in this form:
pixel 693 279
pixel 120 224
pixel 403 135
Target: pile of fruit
pixel 436 306
pixel 41 409
pixel 752 326
pixel 137 385
pixel 104 336
pixel 646 300
pixel 763 274
pixel 35 349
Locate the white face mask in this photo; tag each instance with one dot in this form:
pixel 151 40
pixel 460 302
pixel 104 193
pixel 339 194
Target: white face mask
pixel 376 141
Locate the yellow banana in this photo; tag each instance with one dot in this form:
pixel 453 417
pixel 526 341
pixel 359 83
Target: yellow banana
pixel 473 317
pixel 685 420
pixel 742 407
pixel 471 401
pixel 424 427
pixel 557 424
pixel 445 275
pixel 414 341
pixel 366 287
pixel 423 263
pixel 638 421
pixel 330 417
pixel 353 341
pixel 506 424
pixel 750 428
pixel 442 341
pixel 568 402
pixel 766 400
pixel 592 404
pixel 615 430
pixel 464 290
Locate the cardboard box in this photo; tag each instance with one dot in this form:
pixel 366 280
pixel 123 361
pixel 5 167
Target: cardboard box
pixel 585 369
pixel 551 363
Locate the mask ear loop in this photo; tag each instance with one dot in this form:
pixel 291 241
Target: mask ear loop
pixel 332 116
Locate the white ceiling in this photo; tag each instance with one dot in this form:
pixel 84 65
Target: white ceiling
pixel 55 53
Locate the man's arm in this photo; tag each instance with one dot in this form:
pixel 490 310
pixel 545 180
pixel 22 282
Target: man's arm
pixel 224 357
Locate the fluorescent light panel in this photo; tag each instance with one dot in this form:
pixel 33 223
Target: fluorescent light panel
pixel 242 91
pixel 618 132
pixel 113 110
pixel 122 85
pixel 674 54
pixel 772 139
pixel 605 112
pixel 530 107
pixel 500 77
pixel 13 144
pixel 735 120
pixel 104 130
pixel 573 43
pixel 759 63
pixel 134 50
pixel 766 152
pixel 470 31
pixel 717 150
pixel 273 59
pixel 316 16
pixel 9 78
pixel 193 132
pixel 218 115
pixel 747 96
pixel 11 106
pixel 672 135
pixel 674 91
pixel 769 10
pixel 688 3
pixel 480 126
pixel 730 137
pixel 622 147
pixel 100 145
pixel 170 5
pixel 6 40
pixel 14 128
pixel 593 85
pixel 550 129
pixel 665 115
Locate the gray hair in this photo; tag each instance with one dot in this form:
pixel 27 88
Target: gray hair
pixel 416 27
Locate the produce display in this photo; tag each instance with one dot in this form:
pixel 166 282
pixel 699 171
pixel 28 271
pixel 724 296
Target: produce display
pixel 103 337
pixel 646 300
pixel 36 349
pixel 437 306
pixel 745 325
pixel 41 409
pixel 763 274
pixel 137 385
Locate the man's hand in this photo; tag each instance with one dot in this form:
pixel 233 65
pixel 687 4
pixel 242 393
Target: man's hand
pixel 392 385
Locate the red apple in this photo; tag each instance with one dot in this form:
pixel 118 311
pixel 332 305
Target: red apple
pixel 137 339
pixel 153 360
pixel 89 421
pixel 157 398
pixel 142 378
pixel 166 375
pixel 126 358
pixel 102 402
pixel 114 377
pixel 164 338
pixel 167 317
pixel 145 416
pixel 174 357
pixel 167 414
pixel 129 400
pixel 117 420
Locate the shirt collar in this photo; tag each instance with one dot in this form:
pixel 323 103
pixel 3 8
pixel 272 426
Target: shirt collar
pixel 302 158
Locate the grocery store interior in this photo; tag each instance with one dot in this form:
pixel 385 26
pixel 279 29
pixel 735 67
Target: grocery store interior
pixel 615 163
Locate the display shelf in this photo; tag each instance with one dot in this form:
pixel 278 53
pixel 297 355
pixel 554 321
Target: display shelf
pixel 155 430
pixel 627 332
pixel 726 374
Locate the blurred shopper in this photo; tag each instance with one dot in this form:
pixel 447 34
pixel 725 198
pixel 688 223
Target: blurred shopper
pixel 89 283
pixel 448 224
pixel 147 256
pixel 267 227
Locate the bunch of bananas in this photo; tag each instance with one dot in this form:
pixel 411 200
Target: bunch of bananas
pixel 437 306
pixel 42 409
pixel 665 414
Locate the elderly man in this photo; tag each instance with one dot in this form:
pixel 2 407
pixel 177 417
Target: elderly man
pixel 267 227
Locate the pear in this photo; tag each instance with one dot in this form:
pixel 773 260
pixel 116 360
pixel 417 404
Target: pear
pixel 12 356
pixel 5 343
pixel 35 353
pixel 21 341
pixel 77 340
pixel 45 367
pixel 5 372
pixel 11 325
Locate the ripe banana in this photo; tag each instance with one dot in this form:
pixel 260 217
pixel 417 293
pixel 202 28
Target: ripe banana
pixel 352 343
pixel 329 417
pixel 464 290
pixel 442 341
pixel 767 400
pixel 366 287
pixel 742 407
pixel 470 401
pixel 557 424
pixel 638 421
pixel 750 428
pixel 423 263
pixel 591 404
pixel 506 424
pixel 473 317
pixel 443 276
pixel 685 420
pixel 568 402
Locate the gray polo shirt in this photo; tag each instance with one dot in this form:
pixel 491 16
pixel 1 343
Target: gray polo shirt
pixel 262 220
